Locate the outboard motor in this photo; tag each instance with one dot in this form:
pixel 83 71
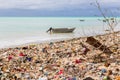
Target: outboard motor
pixel 49 30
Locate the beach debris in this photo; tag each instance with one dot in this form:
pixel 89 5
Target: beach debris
pixel 43 78
pixel 61 61
pixel 84 49
pixel 21 54
pixel 109 72
pixel 88 78
pixel 51 43
pixel 10 57
pixel 103 70
pixel 106 78
pixel 117 78
pixel 107 64
pixel 77 61
pixel 24 48
pixel 28 58
pixel 44 50
pixel 60 71
pixel 92 41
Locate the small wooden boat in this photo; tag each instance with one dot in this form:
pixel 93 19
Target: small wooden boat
pixel 61 30
pixel 82 20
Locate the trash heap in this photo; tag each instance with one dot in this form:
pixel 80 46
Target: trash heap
pixel 75 59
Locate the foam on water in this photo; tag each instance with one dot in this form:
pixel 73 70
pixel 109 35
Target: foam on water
pixel 33 39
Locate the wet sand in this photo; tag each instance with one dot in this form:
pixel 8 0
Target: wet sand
pixel 73 59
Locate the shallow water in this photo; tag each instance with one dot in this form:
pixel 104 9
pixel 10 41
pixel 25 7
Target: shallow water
pixel 22 30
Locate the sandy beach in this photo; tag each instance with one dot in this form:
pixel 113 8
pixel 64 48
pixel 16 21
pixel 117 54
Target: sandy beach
pixel 84 58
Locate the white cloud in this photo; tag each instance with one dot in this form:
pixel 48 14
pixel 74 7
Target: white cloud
pixel 49 4
pixel 38 4
pixel 109 1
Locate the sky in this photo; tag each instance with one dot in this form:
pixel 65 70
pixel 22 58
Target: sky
pixel 64 8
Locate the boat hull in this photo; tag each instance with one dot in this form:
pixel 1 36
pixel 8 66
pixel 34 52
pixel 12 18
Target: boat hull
pixel 63 30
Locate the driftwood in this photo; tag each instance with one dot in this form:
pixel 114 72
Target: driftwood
pixel 92 41
pixel 88 78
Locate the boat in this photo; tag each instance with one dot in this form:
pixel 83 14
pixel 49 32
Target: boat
pixel 61 30
pixel 82 20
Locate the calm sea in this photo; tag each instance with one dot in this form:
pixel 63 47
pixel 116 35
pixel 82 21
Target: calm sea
pixel 22 30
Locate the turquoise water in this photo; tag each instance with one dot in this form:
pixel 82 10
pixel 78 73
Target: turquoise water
pixel 21 30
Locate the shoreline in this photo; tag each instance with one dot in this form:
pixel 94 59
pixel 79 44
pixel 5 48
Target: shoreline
pixel 52 40
pixel 36 43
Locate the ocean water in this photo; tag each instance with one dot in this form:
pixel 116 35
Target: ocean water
pixel 21 30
